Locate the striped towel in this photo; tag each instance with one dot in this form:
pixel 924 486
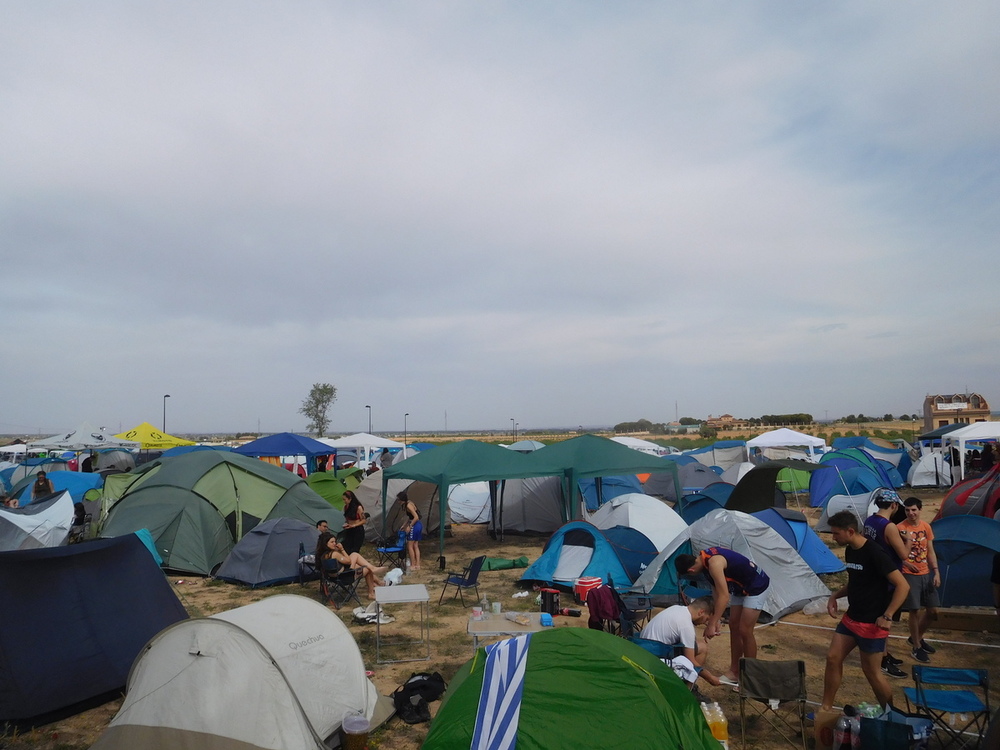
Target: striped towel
pixel 500 699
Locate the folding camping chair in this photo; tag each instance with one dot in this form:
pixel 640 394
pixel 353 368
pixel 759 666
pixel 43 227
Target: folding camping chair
pixel 339 584
pixel 778 687
pixel 946 706
pixel 467 579
pixel 633 611
pixel 307 565
pixel 393 555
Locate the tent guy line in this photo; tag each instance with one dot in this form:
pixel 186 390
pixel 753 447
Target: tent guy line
pixel 899 637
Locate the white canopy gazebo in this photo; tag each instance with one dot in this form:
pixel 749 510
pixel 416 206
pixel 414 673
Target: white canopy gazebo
pixel 366 443
pixel 786 438
pixel 977 432
pixel 83 438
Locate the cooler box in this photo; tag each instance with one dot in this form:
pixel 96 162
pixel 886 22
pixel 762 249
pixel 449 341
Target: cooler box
pixel 582 587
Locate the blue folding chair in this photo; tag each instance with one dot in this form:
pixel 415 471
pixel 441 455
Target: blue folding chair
pixel 393 555
pixel 467 579
pixel 946 706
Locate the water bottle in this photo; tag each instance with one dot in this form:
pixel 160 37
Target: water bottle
pixel 854 726
pixel 842 733
pixel 486 607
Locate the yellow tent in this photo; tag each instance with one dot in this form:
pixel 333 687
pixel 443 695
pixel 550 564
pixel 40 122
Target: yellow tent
pixel 152 439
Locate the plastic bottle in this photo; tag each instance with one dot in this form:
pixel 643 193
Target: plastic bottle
pixel 719 725
pixel 854 726
pixel 842 733
pixel 486 607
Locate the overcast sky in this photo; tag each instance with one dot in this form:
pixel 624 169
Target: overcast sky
pixel 561 213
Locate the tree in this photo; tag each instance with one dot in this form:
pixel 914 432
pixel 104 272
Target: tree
pixel 316 406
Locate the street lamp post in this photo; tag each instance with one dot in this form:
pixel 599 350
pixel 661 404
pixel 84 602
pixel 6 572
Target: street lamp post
pixel 369 408
pixel 404 433
pixel 512 432
pixel 516 425
pixel 165 397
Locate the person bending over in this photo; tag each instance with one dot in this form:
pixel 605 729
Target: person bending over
pixel 328 548
pixel 737 583
pixel 875 590
pixel 413 527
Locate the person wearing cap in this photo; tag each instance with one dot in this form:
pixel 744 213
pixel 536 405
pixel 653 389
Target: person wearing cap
pixel 880 529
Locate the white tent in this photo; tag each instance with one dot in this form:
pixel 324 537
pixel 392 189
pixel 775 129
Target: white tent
pixel 644 446
pixel 735 473
pixel 42 524
pixel 786 438
pixel 279 673
pixel 469 502
pixel 423 494
pixel 85 437
pixel 793 583
pixel 530 506
pixel 973 433
pixel 861 506
pixel 930 470
pixel 658 521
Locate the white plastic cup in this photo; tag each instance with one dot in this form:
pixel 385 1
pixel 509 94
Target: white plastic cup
pixel 477 613
pixel 496 608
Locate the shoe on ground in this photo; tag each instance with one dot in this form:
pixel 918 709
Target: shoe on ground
pixel 892 670
pixel 920 655
pixel 891 659
pixel 924 646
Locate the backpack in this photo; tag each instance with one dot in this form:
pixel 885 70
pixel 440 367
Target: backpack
pixel 410 698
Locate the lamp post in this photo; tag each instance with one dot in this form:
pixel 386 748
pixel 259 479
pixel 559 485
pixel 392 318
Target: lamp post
pixel 516 425
pixel 512 438
pixel 165 397
pixel 369 408
pixel 404 433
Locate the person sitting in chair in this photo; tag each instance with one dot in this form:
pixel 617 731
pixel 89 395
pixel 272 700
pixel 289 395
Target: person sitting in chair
pixel 676 625
pixel 328 548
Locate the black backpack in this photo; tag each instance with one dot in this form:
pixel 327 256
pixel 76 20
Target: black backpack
pixel 411 698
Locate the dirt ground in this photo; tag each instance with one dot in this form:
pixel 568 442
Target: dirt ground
pixel 797 636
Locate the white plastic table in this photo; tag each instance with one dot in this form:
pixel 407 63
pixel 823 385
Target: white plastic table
pixel 414 593
pixel 500 626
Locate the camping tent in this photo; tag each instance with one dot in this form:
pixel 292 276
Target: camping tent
pixel 793 583
pixel 580 549
pixel 470 502
pixel 44 523
pixel 965 546
pixel 700 504
pixel 722 453
pixel 643 446
pixel 977 497
pixel 269 554
pixel 74 620
pixel 530 506
pixel 332 484
pixel 85 437
pixel 200 504
pixel 595 491
pixel 279 673
pixel 421 494
pixel 653 518
pixel 930 470
pixel 756 490
pixel 151 439
pixel 573 688
pixel 861 505
pixel 786 438
pixel 795 530
pixel 853 470
pixel 75 482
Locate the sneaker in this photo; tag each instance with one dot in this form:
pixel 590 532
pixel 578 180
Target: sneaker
pixel 920 655
pixel 892 670
pixel 924 646
pixel 892 659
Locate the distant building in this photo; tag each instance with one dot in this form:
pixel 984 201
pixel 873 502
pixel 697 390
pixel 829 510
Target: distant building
pixel 726 422
pixel 956 408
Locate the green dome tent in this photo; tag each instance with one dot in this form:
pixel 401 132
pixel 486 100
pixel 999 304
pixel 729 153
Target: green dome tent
pixel 581 688
pixel 198 505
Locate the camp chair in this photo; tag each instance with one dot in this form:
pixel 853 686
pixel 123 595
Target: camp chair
pixel 946 706
pixel 777 686
pixel 339 584
pixel 307 566
pixel 467 579
pixel 633 611
pixel 659 649
pixel 80 531
pixel 393 555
